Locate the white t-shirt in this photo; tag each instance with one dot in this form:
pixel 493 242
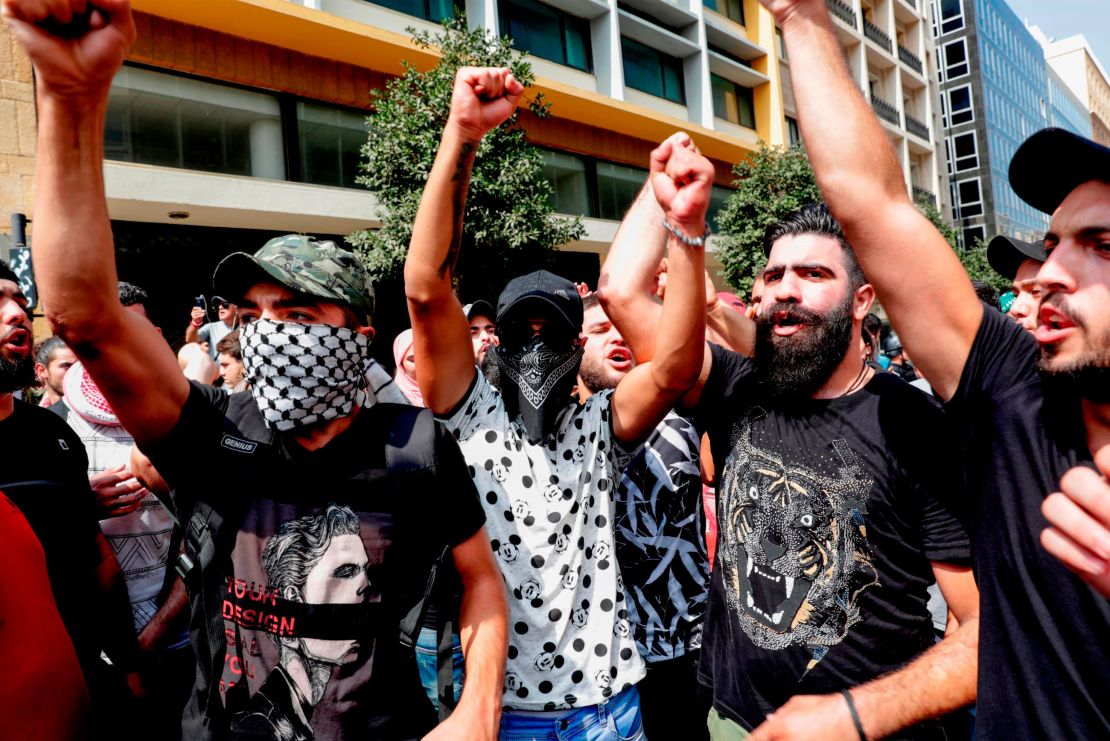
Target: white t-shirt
pixel 549 515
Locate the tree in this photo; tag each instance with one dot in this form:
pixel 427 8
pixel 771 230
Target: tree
pixel 770 183
pixel 973 258
pixel 509 225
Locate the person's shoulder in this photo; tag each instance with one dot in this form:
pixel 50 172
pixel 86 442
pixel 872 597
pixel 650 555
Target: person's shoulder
pixel 892 389
pixel 43 418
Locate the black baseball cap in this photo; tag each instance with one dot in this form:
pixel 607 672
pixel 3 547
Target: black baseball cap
pixel 541 286
pixel 480 307
pixel 1006 254
pixel 1052 163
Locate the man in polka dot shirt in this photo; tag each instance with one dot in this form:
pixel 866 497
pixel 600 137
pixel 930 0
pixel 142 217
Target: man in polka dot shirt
pixel 546 468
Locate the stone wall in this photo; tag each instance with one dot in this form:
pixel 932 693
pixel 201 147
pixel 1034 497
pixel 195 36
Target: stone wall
pixel 17 130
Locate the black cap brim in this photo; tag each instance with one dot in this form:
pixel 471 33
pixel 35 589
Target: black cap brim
pixel 236 273
pixel 480 308
pixel 509 312
pixel 1052 163
pixel 1006 254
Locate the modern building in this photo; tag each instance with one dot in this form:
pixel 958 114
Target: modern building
pixel 234 120
pixel 996 89
pixel 1080 70
pixel 888 47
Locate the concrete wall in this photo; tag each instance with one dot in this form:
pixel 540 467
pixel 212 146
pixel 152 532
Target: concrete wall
pixel 17 129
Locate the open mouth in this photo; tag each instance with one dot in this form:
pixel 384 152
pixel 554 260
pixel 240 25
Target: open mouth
pixel 771 598
pixel 18 339
pixel 620 359
pixel 784 324
pixel 1054 326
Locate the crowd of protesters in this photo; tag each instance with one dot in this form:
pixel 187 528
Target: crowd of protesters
pixel 641 509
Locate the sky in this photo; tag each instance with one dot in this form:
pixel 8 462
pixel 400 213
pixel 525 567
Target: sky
pixel 1063 18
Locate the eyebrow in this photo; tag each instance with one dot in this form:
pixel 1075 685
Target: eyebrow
pixel 294 302
pixel 798 266
pixel 1085 233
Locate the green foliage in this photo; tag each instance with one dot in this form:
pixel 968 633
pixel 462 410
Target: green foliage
pixel 770 183
pixel 509 225
pixel 974 258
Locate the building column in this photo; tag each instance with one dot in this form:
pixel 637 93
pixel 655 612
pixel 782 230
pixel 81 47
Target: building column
pixel 267 149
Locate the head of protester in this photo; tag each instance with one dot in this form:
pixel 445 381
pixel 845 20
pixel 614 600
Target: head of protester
pixel 52 359
pixel 1019 262
pixel 404 357
pixel 232 373
pixel 606 358
pixel 483 328
pixel 305 311
pixel 17 362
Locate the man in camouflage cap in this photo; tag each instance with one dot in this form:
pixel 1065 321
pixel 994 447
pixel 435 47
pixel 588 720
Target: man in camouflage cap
pixel 305 644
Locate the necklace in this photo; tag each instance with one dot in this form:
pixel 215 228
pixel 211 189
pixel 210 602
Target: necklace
pixel 861 378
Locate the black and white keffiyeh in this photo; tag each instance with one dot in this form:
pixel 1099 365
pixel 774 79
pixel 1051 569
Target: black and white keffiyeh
pixel 301 374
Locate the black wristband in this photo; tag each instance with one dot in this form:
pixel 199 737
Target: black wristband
pixel 855 715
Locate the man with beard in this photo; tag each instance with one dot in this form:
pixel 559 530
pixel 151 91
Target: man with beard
pixel 546 465
pixel 829 526
pixel 300 443
pixel 660 537
pixel 44 475
pixel 52 360
pixel 1023 421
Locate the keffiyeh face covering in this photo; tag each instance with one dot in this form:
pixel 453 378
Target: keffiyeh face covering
pixel 536 382
pixel 302 374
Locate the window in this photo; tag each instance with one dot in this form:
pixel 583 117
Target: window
pixel 718 196
pixel 731 9
pixel 546 32
pixel 732 102
pixel 965 152
pixel 971 198
pixel 781 45
pixel 959 106
pixel 569 178
pixel 331 143
pixel 652 71
pixel 160 119
pixel 793 131
pixel 430 10
pixel 973 235
pixel 951 16
pixel 955 59
pixel 617 186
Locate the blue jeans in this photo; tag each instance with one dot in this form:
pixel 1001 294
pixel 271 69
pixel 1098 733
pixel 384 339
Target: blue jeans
pixel 426 664
pixel 616 719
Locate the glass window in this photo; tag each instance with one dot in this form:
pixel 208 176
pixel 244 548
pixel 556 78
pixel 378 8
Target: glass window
pixel 973 235
pixel 965 153
pixel 959 106
pixel 793 130
pixel 159 119
pixel 569 182
pixel 955 59
pixel 718 196
pixel 546 32
pixel 732 102
pixel 652 71
pixel 331 142
pixel 951 15
pixel 731 9
pixel 431 10
pixel 971 199
pixel 617 186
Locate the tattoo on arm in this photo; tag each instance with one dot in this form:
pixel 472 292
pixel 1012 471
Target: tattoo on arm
pixel 460 181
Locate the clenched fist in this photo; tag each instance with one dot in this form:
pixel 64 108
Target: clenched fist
pixel 682 180
pixel 482 99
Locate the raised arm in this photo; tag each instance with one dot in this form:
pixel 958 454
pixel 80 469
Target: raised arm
pixel 73 249
pixel 482 99
pixel 901 253
pixel 681 179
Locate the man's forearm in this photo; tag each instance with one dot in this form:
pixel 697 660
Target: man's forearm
pixel 733 329
pixel 191 333
pixel 165 617
pixel 680 343
pixel 939 681
pixel 483 617
pixel 117 624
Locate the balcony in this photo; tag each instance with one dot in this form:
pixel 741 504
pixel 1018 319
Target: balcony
pixel 910 59
pixel 916 127
pixel 885 110
pixel 876 34
pixel 843 11
pixel 922 194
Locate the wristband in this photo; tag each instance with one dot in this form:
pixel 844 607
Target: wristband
pixel 855 715
pixel 197 323
pixel 685 238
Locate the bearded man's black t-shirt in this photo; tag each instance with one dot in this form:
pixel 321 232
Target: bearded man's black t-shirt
pixel 314 531
pixel 1044 634
pixel 829 513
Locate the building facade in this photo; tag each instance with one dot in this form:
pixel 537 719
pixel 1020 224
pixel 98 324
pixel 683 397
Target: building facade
pixel 1073 60
pixel 888 47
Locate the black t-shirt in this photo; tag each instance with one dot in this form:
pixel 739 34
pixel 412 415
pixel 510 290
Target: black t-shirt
pixel 1044 635
pixel 828 516
pixel 44 473
pixel 326 528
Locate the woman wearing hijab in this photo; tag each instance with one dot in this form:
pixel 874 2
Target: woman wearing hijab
pixel 405 378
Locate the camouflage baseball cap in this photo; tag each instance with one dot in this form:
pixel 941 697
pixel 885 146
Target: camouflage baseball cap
pixel 302 264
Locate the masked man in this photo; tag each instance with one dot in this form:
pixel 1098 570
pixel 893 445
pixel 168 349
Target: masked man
pixel 546 466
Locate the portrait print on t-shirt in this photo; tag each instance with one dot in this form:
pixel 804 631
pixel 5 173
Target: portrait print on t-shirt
pixel 794 546
pixel 315 559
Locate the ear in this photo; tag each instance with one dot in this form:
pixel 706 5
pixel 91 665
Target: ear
pixel 862 301
pixel 367 331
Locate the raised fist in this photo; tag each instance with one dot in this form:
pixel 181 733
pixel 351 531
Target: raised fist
pixel 682 180
pixel 483 98
pixel 76 47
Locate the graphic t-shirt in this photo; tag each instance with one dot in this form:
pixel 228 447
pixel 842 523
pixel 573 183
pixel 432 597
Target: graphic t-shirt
pixel 329 553
pixel 140 539
pixel 1043 633
pixel 661 541
pixel 550 513
pixel 829 514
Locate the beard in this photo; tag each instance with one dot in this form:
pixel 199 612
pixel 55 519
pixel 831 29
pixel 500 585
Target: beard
pixel 797 365
pixel 598 376
pixel 1088 373
pixel 16 372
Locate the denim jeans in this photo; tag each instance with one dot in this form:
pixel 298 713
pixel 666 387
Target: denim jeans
pixel 426 664
pixel 616 719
